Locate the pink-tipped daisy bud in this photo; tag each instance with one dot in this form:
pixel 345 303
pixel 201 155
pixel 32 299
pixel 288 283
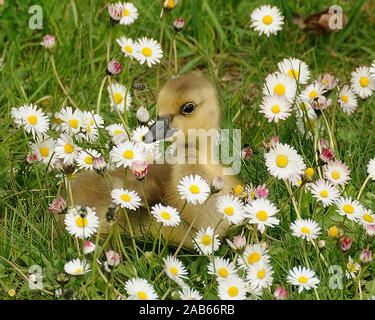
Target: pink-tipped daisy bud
pixel 178 24
pixel 328 81
pixel 99 163
pixel 49 41
pixel 280 293
pixel 114 67
pixel 370 230
pixel 30 158
pixel 58 205
pixel 143 115
pixel 247 153
pixel 274 141
pixel 113 258
pixel 217 184
pixel 327 154
pixel 321 244
pixel 238 244
pixel 345 243
pixel 365 256
pixel 88 247
pixel 261 192
pixel 321 103
pixel 324 143
pixel 140 169
pixel 115 11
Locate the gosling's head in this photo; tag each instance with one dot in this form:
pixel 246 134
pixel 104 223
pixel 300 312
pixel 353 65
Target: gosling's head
pixel 185 102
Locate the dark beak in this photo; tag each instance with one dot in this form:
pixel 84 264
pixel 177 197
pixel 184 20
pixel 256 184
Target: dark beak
pixel 160 130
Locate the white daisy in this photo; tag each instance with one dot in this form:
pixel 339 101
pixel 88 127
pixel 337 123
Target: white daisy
pixel 337 172
pixel 85 159
pixel 126 199
pixel 254 254
pixel 205 242
pixel 81 224
pixel 349 208
pixel 167 215
pixel 77 267
pixel 221 268
pixel 231 207
pixel 66 149
pixel 366 217
pixel 92 122
pixel 194 189
pixel 275 108
pixel 371 169
pixel 174 269
pixel 306 229
pixel 260 276
pixel 119 96
pixel 125 153
pixel 188 293
pixel 128 47
pixel 312 91
pixel 362 83
pixel 283 162
pixel 267 20
pixel 324 191
pixel 281 85
pixel 372 70
pixel 149 51
pixel 130 13
pixel 302 277
pixel 347 99
pixel 140 289
pixel 72 121
pixel 44 149
pixel 295 68
pixel 261 212
pixel 118 133
pixel 232 288
pixel 352 269
pixel 138 137
pixel 32 119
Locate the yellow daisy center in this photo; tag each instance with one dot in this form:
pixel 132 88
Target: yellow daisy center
pixel 302 279
pixel 79 271
pixel 368 217
pixel 147 52
pixel 73 123
pixel 165 215
pixel 128 154
pixel 174 271
pixel 81 222
pixel 364 82
pixel 324 193
pixel 261 274
pixel 32 119
pixel 275 109
pixel 223 272
pixel 68 148
pixel 345 99
pixel 348 208
pixel 44 152
pixel 335 175
pixel 170 4
pixel 116 132
pixel 229 211
pixel 351 267
pixel 88 160
pixel 262 215
pixel 126 12
pixel 142 295
pixel 206 240
pixel 305 230
pixel 125 197
pixel 233 291
pixel 57 120
pixel 293 73
pixel 253 257
pixel 194 189
pixel 238 189
pixel 279 89
pixel 128 49
pixel 267 20
pixel 118 98
pixel 313 94
pixel 281 161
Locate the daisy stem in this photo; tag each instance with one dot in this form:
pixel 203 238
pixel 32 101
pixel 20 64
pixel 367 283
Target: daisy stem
pixel 363 187
pixel 66 92
pixel 319 253
pixel 145 199
pixel 131 231
pixel 69 183
pixel 316 294
pixel 175 56
pixel 109 44
pixel 161 44
pixel 293 199
pixel 316 138
pixel 100 95
pixel 305 254
pixel 329 131
pixel 170 54
pixel 153 252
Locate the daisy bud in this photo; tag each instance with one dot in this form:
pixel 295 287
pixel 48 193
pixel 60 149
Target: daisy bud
pixel 345 243
pixel 143 115
pixel 99 163
pixel 88 247
pixel 217 184
pixel 321 103
pixel 30 158
pixel 365 256
pixel 114 67
pixel 115 12
pixel 333 232
pixel 370 230
pixel 261 192
pixel 309 172
pixel 49 41
pixel 247 153
pixel 327 154
pixel 238 190
pixel 58 205
pixel 324 143
pixel 178 24
pixel 113 258
pixel 140 169
pixel 238 244
pixel 280 293
pixel 321 244
pixel 274 141
pixel 328 81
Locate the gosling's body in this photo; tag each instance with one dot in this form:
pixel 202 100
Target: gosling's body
pixel 89 189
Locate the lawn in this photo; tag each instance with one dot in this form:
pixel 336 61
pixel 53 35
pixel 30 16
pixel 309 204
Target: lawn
pixel 217 40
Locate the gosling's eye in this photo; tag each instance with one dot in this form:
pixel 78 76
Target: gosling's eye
pixel 188 108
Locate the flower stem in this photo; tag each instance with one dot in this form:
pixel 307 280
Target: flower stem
pixel 363 187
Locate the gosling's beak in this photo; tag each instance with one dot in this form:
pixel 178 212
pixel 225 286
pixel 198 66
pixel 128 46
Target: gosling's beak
pixel 160 130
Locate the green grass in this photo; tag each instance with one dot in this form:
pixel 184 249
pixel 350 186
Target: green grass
pixel 217 40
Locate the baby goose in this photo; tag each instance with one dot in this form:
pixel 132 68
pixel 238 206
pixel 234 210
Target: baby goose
pixel 186 102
